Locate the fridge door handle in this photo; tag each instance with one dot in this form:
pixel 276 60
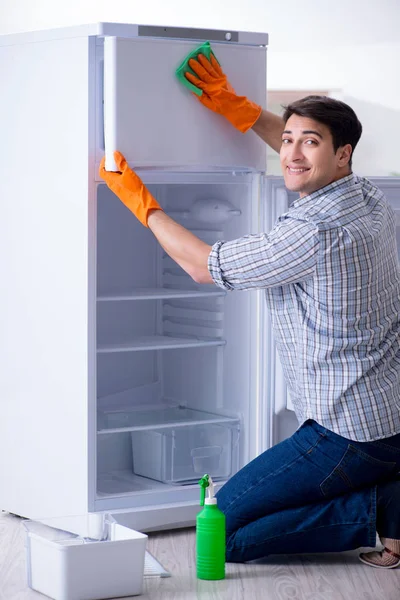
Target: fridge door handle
pixel 110 101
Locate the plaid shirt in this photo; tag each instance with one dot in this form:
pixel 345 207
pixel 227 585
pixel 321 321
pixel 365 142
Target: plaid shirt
pixel 331 272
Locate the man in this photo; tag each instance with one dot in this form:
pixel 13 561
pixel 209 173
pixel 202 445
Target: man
pixel 332 279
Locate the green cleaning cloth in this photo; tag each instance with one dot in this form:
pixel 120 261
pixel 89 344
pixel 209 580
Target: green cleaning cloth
pixel 184 66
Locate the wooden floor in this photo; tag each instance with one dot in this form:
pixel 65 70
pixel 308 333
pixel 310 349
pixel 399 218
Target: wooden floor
pixel 311 577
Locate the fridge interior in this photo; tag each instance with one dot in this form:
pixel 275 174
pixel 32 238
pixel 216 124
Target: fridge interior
pixel 175 365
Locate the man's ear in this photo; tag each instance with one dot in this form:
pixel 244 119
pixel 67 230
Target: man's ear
pixel 344 155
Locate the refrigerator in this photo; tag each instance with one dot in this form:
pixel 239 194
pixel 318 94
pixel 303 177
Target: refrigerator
pixel 123 381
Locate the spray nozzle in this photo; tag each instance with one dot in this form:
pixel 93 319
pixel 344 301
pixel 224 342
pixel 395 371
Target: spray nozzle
pixel 206 482
pixel 203 483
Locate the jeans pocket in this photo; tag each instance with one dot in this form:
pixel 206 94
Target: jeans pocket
pixel 356 470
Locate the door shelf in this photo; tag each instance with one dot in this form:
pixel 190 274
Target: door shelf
pixel 163 418
pixel 158 342
pixel 158 294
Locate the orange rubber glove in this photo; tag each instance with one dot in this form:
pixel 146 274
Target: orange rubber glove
pixel 219 96
pixel 129 188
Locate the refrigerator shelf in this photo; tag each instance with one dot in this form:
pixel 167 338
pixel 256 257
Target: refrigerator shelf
pixel 159 294
pixel 124 482
pixel 164 418
pixel 158 342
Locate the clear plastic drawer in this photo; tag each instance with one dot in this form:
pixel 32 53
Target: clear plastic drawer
pixel 181 455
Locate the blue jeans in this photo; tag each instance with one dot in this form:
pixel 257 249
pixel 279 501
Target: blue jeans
pixel 314 492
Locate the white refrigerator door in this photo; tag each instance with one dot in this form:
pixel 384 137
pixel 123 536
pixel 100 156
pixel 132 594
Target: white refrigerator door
pixel 155 121
pixel 391 188
pixel 278 405
pixel 278 419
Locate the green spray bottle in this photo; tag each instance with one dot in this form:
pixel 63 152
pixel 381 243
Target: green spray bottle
pixel 210 535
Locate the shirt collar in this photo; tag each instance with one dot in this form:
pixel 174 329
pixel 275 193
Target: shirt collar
pixel 344 182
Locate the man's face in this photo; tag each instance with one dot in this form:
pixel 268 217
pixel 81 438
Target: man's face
pixel 307 156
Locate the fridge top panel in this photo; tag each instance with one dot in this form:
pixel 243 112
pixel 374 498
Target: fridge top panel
pixel 126 30
pixel 213 35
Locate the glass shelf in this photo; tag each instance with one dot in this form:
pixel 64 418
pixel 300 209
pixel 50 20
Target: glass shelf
pixel 122 483
pixel 158 294
pixel 163 418
pixel 158 342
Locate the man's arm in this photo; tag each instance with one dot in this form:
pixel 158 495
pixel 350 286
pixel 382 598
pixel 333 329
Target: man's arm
pixel 181 245
pixel 219 96
pixel 269 128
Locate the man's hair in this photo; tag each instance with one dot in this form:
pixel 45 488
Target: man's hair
pixel 339 117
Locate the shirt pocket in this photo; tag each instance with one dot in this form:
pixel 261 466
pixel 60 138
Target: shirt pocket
pixel 356 470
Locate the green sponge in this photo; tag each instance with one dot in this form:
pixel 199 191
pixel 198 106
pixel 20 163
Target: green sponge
pixel 184 67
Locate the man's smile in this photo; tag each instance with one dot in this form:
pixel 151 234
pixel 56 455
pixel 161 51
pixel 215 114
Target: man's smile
pixel 297 170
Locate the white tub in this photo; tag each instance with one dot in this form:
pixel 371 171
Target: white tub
pixel 65 566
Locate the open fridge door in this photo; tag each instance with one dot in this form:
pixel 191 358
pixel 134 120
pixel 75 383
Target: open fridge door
pixel 279 421
pixel 390 186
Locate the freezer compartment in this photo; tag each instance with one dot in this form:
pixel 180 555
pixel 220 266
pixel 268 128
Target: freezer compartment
pixel 65 566
pixel 156 122
pixel 180 455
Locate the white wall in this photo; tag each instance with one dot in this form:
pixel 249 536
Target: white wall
pixel 368 71
pixel 349 46
pixel 292 24
pixel 366 77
